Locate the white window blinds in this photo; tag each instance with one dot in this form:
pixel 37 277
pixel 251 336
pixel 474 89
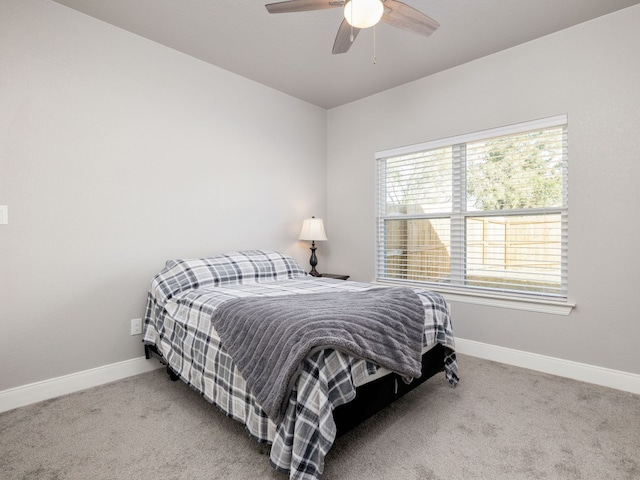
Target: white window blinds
pixel 485 211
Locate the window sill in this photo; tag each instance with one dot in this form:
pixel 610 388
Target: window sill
pixel 526 304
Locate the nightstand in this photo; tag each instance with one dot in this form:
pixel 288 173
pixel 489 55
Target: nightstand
pixel 333 275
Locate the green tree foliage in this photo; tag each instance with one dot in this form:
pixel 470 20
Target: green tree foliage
pixel 515 172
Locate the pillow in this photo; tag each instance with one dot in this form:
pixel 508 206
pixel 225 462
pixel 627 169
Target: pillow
pixel 248 266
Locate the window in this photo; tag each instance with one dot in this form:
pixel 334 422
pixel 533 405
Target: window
pixel 483 213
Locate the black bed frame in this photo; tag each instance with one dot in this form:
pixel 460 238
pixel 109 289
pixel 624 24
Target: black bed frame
pixel 370 397
pixel 376 395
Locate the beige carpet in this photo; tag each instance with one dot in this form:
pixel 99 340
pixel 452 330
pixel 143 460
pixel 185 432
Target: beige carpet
pixel 501 422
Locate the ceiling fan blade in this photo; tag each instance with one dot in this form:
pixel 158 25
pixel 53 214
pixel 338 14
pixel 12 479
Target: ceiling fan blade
pixel 302 5
pixel 343 40
pixel 401 15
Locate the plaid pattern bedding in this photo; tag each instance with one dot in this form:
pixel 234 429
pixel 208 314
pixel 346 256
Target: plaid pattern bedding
pixel 178 321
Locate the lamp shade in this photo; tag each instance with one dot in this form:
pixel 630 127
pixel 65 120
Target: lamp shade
pixel 363 13
pixel 313 230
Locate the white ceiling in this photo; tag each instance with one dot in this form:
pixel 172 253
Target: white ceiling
pixel 291 52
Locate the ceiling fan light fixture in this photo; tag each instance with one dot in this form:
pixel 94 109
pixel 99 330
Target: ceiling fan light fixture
pixel 363 13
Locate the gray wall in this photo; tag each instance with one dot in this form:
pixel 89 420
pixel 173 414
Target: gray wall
pixel 590 72
pixel 116 154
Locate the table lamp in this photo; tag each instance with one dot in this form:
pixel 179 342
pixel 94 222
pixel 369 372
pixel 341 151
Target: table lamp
pixel 313 230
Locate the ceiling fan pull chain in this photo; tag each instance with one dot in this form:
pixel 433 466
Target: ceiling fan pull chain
pixel 374 44
pixel 351 25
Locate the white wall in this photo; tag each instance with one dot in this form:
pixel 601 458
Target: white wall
pixel 116 154
pixel 590 72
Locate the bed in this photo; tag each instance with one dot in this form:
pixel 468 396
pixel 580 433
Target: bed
pixel 323 392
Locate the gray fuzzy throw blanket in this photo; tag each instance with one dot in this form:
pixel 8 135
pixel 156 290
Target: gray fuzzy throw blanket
pixel 269 337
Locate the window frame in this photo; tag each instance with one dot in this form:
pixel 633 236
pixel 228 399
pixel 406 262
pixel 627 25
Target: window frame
pixel 457 290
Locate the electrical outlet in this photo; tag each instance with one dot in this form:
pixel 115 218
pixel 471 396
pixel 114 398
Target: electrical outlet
pixel 136 326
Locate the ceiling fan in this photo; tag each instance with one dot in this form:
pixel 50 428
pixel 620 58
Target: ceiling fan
pixel 359 14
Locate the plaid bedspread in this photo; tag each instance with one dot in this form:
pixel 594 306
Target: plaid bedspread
pixel 179 325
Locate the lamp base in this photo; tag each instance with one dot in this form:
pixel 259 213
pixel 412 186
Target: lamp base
pixel 313 261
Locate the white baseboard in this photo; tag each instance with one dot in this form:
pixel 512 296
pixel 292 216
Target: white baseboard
pixel 55 387
pixel 628 382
